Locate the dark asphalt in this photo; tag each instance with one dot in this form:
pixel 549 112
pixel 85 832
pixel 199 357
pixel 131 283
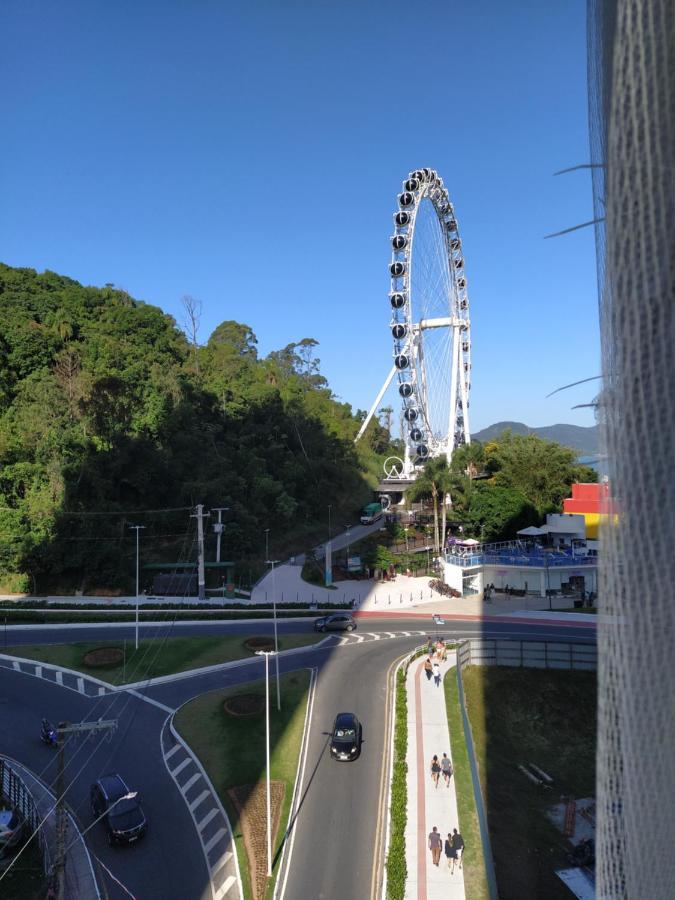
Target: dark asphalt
pixel 333 849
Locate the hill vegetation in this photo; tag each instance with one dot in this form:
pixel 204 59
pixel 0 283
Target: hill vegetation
pixel 110 416
pixel 582 439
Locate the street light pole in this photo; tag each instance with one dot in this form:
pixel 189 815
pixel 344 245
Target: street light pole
pixel 266 654
pixel 267 544
pixel 137 529
pixel 273 563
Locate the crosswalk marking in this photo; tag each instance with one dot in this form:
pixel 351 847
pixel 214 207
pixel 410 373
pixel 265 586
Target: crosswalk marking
pixel 80 685
pixel 227 884
pixel 38 671
pixel 16 666
pixel 59 677
pixel 219 835
pixel 174 749
pixel 216 867
pixel 188 784
pixel 179 768
pixel 208 818
pixel 200 799
pixel 101 691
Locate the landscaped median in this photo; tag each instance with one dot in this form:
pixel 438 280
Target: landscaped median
pixel 118 662
pixel 226 730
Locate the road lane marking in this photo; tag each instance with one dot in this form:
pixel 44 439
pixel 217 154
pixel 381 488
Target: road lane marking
pixel 101 691
pixel 218 836
pixel 80 685
pixel 209 817
pixel 59 677
pixel 179 768
pixel 199 799
pixel 16 665
pixel 373 635
pixel 405 633
pixel 359 638
pixel 38 671
pixel 188 784
pixel 174 749
pixel 156 703
pixel 391 634
pixel 216 867
pixel 226 885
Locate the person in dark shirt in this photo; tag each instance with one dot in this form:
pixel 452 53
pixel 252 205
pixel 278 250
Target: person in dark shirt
pixel 458 847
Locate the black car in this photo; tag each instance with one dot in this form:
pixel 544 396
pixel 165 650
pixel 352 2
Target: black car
pixel 345 739
pixel 336 622
pixel 124 819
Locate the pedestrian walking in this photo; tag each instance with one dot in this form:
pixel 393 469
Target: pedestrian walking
pixel 428 668
pixel 435 845
pixel 430 646
pixel 446 769
pixel 435 769
pixel 437 674
pixel 458 847
pixel 450 854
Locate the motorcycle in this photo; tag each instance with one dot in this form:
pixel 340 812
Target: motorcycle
pixel 48 733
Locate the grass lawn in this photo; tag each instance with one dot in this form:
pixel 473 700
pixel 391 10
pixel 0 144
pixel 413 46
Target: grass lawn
pixel 546 717
pixel 475 879
pixel 155 657
pixel 232 750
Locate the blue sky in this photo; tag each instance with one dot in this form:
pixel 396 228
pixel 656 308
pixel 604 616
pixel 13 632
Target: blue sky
pixel 250 155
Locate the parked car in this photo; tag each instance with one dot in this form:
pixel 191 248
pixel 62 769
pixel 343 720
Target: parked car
pixel 12 830
pixel 345 740
pixel 122 812
pixel 336 622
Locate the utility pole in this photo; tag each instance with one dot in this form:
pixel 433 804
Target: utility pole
pixel 65 728
pixel 219 528
pixel 201 578
pixel 137 529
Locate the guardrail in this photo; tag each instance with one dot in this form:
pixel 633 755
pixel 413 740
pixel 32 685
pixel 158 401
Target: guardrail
pixel 532 654
pixel 15 791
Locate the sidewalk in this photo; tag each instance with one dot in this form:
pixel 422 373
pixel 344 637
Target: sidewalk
pixel 429 805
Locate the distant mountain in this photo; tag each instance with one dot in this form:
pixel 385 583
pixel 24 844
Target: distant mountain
pixel 583 440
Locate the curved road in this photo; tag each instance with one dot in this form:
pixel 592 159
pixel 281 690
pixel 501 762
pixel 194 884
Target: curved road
pixel 337 822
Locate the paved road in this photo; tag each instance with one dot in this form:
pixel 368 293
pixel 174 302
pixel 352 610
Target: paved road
pixel 333 847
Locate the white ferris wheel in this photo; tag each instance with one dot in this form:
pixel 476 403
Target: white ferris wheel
pixel 429 324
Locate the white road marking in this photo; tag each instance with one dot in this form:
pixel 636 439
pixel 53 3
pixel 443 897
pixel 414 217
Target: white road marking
pixel 405 633
pixel 359 638
pixel 200 799
pixel 209 817
pixel 218 836
pixel 59 677
pixel 227 884
pixel 38 671
pixel 179 768
pixel 373 635
pixel 174 749
pixel 16 665
pixel 101 691
pixel 80 685
pixel 341 641
pixel 188 784
pixel 150 700
pixel 391 634
pixel 216 867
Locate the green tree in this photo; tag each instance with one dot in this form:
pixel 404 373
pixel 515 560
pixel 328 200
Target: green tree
pixel 434 481
pixel 496 513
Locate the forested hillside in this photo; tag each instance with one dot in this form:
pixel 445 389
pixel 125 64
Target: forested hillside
pixel 110 417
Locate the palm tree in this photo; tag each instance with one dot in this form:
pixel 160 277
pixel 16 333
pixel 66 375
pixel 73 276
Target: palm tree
pixel 434 481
